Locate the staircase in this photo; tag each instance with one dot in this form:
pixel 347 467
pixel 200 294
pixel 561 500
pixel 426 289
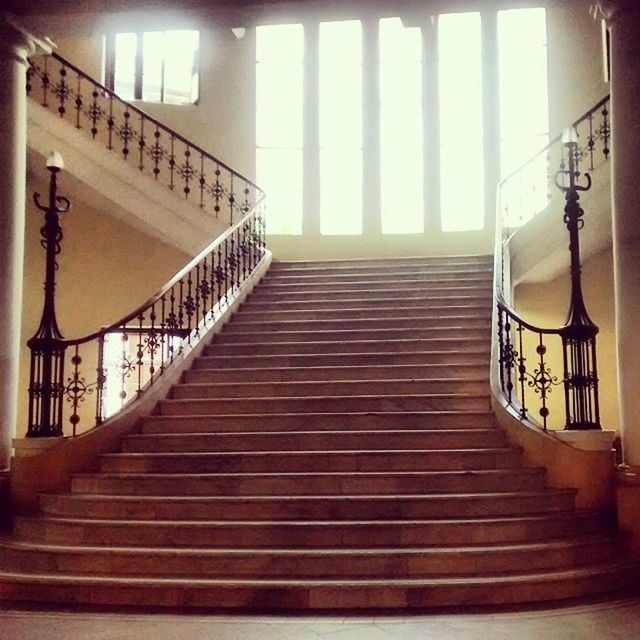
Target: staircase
pixel 333 448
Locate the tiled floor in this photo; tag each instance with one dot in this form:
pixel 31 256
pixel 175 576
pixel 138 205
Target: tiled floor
pixel 615 620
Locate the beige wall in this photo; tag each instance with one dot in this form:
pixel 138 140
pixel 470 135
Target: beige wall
pixel 106 270
pixel 546 305
pixel 223 122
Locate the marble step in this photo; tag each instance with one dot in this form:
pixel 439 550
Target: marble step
pixel 379 346
pixel 460 286
pixel 291 375
pixel 433 312
pixel 307 595
pixel 330 420
pixel 445 263
pixel 305 534
pixel 347 334
pixel 461 295
pixel 315 404
pixel 416 275
pixel 314 460
pixel 309 508
pixel 366 307
pixel 311 564
pixel 422 322
pixel 337 387
pixel 310 440
pixel 310 483
pixel 339 358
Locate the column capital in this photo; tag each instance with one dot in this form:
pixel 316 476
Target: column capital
pixel 613 10
pixel 17 42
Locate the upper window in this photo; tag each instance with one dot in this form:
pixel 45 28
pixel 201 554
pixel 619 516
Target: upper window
pixel 156 66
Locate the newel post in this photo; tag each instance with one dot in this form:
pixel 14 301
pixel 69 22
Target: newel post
pixel 46 377
pixel 579 332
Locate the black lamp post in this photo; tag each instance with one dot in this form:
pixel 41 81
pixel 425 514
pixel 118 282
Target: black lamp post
pixel 579 332
pixel 46 380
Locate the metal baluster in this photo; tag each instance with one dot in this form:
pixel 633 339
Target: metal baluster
pixel 522 370
pixel 140 353
pixel 141 144
pixel 110 124
pixel 101 380
pixel 202 181
pixel 78 101
pixel 156 153
pixel 172 161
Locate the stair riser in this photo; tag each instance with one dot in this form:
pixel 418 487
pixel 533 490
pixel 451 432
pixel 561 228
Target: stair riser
pixel 345 335
pixel 407 277
pixel 290 442
pixel 356 289
pixel 292 461
pixel 319 421
pixel 353 404
pixel 342 388
pixel 479 357
pixel 432 562
pixel 379 347
pixel 309 509
pixel 425 313
pixel 371 300
pixel 327 374
pixel 309 535
pixel 317 597
pixel 308 484
pixel 240 326
pixel 430 265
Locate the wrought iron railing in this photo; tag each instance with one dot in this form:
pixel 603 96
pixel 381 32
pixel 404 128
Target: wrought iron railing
pixel 533 361
pixel 118 363
pixel 529 190
pixel 140 139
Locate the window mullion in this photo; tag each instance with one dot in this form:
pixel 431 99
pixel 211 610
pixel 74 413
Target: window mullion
pixel 137 88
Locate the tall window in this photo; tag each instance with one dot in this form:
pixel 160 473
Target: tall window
pixel 461 122
pixel 524 109
pixel 158 66
pixel 279 132
pixel 341 127
pixel 401 148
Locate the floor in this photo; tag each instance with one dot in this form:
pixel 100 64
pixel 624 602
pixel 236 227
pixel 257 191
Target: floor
pixel 612 620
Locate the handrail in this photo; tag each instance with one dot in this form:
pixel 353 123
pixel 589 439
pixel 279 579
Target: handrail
pixel 119 362
pixel 525 182
pixel 160 151
pixel 524 359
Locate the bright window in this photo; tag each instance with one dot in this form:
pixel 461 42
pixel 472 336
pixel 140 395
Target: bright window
pixel 156 66
pixel 279 133
pixel 341 128
pixel 524 111
pixel 401 147
pixel 461 122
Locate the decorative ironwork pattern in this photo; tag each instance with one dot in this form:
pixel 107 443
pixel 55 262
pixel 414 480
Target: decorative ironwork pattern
pixel 156 149
pixel 529 189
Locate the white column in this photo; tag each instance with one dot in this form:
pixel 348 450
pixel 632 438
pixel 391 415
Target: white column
pixel 15 45
pixel 624 22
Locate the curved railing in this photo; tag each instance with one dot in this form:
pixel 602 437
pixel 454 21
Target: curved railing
pixel 528 190
pixel 140 139
pixel 533 361
pixel 88 379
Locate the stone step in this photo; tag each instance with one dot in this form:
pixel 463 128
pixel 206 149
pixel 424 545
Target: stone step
pixel 310 440
pixel 476 311
pixel 329 420
pixel 341 358
pixel 310 508
pixel 290 375
pixel 307 483
pixel 355 289
pixel 334 388
pixel 416 275
pixel 374 298
pixel 346 594
pixel 380 346
pixel 444 263
pixel 373 323
pixel 366 307
pixel 315 404
pixel 305 534
pixel 311 564
pixel 320 334
pixel 314 460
